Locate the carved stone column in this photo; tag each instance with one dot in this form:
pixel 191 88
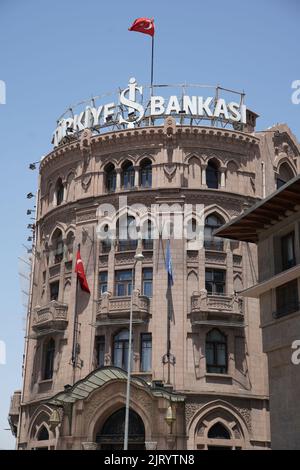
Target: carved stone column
pixel 136 176
pixel 201 269
pixel 118 179
pixel 222 176
pixel 203 174
pixel 229 266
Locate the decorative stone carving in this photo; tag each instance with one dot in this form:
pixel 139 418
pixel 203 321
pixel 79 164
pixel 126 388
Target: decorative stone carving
pixel 86 181
pixel 85 145
pixel 170 169
pixel 190 410
pixel 89 445
pixel 151 445
pixel 212 308
pixel 246 413
pixel 52 315
pixel 119 307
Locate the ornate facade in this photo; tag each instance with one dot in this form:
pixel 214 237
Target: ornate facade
pixel 215 386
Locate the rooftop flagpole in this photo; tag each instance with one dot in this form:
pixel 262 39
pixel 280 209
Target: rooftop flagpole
pixel 146 26
pixel 152 61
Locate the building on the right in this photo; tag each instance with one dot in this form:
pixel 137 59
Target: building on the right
pixel 274 225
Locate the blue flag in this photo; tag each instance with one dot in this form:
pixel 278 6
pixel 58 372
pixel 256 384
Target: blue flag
pixel 169 265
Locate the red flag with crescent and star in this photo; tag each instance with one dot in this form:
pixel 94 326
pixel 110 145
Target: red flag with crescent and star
pixel 79 270
pixel 143 25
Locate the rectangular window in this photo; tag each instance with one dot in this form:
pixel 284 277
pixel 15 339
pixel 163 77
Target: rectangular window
pixel 146 352
pixel 288 251
pixel 54 290
pixel 102 282
pixel 123 283
pixel 215 281
pixel 287 299
pixel 100 350
pixel 147 281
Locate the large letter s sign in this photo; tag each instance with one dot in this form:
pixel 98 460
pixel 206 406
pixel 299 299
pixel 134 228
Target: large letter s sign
pixel 131 103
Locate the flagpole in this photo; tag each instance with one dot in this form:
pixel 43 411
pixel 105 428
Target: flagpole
pixel 74 347
pixel 152 61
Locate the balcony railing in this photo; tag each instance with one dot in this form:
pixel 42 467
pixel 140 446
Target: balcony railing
pixel 216 309
pixel 51 316
pixel 117 309
pixel 287 309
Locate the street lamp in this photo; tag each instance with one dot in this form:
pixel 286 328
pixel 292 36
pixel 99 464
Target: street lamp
pixel 138 257
pixel 170 417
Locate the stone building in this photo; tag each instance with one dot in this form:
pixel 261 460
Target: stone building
pixel 213 385
pixel 276 232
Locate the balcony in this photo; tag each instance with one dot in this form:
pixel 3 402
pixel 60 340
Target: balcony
pixel 50 317
pixel 14 411
pixel 216 310
pixel 116 310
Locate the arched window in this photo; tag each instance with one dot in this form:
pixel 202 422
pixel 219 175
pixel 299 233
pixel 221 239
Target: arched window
pixel 146 173
pixel 147 235
pixel 111 436
pixel 127 175
pixel 218 431
pixel 192 230
pixel 43 434
pixel 284 175
pixel 49 354
pixel 121 343
pixel 212 222
pixel 212 175
pixel 127 233
pixel 57 246
pixel 70 245
pixel 110 178
pixel 216 352
pixel 59 192
pixel 106 242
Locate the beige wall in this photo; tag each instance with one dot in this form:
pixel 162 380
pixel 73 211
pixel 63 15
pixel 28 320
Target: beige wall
pixel 179 164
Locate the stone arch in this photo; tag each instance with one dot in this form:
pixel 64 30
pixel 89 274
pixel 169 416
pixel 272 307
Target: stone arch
pixel 59 193
pixel 111 397
pixel 237 282
pixel 219 211
pixel 39 418
pixel 145 156
pixel 58 226
pixel 213 158
pixel 111 160
pixel 283 158
pixel 192 285
pixel 212 413
pixel 285 171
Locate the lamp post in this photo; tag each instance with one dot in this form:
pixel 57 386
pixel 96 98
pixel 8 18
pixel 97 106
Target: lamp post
pixel 138 257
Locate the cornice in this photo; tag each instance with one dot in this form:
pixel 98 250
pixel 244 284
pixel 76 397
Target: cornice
pixel 148 136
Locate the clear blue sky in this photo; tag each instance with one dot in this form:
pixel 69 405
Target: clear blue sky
pixel 54 53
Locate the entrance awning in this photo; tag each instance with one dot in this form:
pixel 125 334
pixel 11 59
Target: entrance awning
pixel 99 377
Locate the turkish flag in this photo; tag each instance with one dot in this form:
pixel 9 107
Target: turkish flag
pixel 79 270
pixel 143 25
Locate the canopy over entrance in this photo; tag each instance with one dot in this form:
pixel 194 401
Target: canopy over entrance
pixel 99 377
